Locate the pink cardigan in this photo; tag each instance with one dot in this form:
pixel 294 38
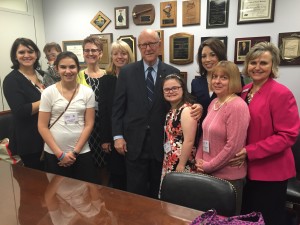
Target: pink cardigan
pixel 226 130
pixel 273 129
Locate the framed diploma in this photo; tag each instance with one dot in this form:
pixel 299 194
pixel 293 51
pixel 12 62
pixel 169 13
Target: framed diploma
pixel 106 40
pixel 100 21
pixel 253 11
pixel 217 13
pixel 191 12
pixel 131 41
pixel 121 17
pixel 289 46
pixel 76 48
pixel 161 50
pixel 243 45
pixel 181 48
pixel 168 14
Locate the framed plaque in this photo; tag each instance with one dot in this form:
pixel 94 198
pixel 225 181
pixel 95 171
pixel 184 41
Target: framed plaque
pixel 217 13
pixel 100 21
pixel 106 41
pixel 131 41
pixel 161 49
pixel 289 45
pixel 168 14
pixel 184 76
pixel 221 38
pixel 191 12
pixel 121 17
pixel 76 48
pixel 243 45
pixel 253 11
pixel 181 48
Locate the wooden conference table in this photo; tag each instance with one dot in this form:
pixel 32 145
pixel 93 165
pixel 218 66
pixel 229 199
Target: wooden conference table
pixel 30 197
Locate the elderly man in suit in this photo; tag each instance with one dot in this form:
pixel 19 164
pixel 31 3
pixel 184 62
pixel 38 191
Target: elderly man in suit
pixel 138 116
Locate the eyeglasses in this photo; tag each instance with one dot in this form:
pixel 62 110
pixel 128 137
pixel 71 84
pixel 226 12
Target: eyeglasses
pixel 172 89
pixel 151 45
pixel 87 51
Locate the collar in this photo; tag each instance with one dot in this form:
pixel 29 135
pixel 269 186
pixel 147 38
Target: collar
pixel 155 66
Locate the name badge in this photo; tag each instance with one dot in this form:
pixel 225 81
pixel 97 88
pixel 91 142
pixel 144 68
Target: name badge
pixel 71 118
pixel 206 146
pixel 167 147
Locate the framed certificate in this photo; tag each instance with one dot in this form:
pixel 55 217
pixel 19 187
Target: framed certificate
pixel 191 12
pixel 121 17
pixel 217 13
pixel 168 14
pixel 289 45
pixel 253 11
pixel 76 48
pixel 181 48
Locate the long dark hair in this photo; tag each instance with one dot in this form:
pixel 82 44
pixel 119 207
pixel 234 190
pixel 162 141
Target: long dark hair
pixel 27 43
pixel 186 96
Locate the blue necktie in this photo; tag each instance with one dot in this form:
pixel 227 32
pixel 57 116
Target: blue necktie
pixel 150 86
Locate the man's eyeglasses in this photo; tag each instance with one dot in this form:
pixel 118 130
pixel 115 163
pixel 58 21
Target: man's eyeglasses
pixel 172 89
pixel 151 45
pixel 91 50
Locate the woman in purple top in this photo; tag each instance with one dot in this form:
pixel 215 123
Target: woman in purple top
pixel 224 128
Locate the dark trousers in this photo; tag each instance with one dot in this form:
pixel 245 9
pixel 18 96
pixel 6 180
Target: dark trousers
pixel 83 168
pixel 144 173
pixel 33 161
pixel 266 197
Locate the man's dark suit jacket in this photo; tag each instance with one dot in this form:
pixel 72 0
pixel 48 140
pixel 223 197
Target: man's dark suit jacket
pixel 132 115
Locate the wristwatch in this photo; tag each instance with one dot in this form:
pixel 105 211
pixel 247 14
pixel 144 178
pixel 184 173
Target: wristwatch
pixel 75 153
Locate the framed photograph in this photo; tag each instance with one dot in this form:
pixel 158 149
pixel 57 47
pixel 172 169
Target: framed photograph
pixel 106 41
pixel 289 46
pixel 161 50
pixel 168 14
pixel 221 38
pixel 243 45
pixel 217 13
pixel 184 76
pixel 76 48
pixel 181 48
pixel 121 17
pixel 253 11
pixel 100 21
pixel 131 41
pixel 191 12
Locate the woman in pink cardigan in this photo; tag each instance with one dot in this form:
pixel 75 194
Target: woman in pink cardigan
pixel 273 129
pixel 224 128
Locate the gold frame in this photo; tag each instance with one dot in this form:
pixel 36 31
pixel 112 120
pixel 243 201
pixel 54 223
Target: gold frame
pixel 100 21
pixel 161 50
pixel 191 12
pixel 184 76
pixel 181 48
pixel 106 39
pixel 168 14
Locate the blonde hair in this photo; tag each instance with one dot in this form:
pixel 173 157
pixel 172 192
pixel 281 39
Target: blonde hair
pixel 232 71
pixel 122 46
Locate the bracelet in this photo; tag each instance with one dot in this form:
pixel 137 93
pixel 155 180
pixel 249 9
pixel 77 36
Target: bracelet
pixel 75 153
pixel 62 156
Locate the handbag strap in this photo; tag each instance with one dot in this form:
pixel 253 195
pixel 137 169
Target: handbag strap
pixel 65 108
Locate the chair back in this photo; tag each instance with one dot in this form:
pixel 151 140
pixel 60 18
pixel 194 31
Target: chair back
pixel 199 191
pixel 296 152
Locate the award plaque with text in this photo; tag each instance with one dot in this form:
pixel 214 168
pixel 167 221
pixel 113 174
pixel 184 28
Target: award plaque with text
pixel 181 48
pixel 191 12
pixel 168 14
pixel 217 13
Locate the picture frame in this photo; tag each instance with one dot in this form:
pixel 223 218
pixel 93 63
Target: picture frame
pixel 289 46
pixel 224 39
pixel 181 48
pixel 243 45
pixel 217 13
pixel 100 21
pixel 168 14
pixel 161 49
pixel 253 11
pixel 76 47
pixel 106 39
pixel 191 12
pixel 184 76
pixel 131 41
pixel 122 17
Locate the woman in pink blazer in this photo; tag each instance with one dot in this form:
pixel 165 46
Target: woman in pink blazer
pixel 273 129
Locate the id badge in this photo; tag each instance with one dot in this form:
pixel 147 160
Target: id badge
pixel 206 146
pixel 167 147
pixel 71 118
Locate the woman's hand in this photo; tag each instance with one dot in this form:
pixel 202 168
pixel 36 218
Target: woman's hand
pixel 199 165
pixel 68 160
pixel 239 158
pixel 106 147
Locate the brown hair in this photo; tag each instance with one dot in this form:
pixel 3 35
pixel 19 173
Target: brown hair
pixel 51 45
pixel 94 39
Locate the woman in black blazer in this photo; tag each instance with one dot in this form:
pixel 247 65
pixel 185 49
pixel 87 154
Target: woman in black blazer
pixel 22 89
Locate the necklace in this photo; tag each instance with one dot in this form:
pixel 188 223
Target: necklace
pixel 226 100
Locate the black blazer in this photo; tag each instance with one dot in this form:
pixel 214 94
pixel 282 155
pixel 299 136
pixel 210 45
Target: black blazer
pixel 132 115
pixel 20 94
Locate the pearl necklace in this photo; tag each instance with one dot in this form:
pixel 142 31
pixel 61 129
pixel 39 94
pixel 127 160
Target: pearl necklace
pixel 226 100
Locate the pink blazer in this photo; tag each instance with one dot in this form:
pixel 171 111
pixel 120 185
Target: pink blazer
pixel 273 129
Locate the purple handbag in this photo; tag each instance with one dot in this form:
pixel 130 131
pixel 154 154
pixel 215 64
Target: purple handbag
pixel 211 218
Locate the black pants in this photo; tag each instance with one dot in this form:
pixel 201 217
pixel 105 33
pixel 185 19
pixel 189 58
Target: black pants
pixel 266 197
pixel 83 168
pixel 33 161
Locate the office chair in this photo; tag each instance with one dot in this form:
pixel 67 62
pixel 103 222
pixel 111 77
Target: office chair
pixel 199 191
